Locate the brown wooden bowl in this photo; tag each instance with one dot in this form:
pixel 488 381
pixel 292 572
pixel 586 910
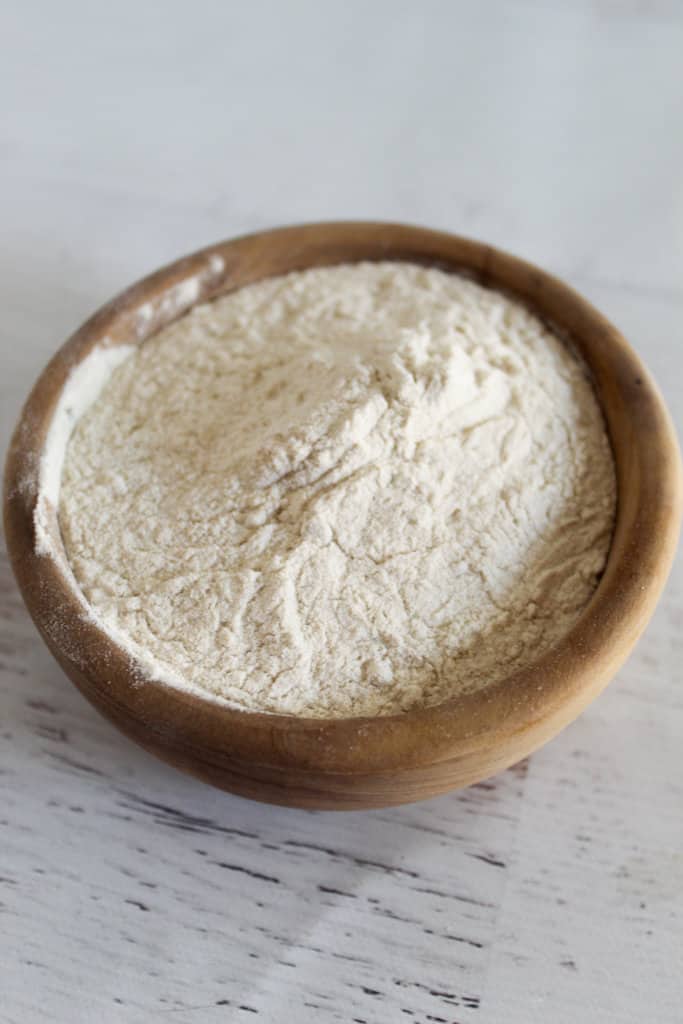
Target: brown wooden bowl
pixel 362 762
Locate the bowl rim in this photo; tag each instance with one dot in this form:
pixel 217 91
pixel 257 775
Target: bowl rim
pixel 555 686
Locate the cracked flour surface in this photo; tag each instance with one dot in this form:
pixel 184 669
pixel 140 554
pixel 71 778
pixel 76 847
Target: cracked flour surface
pixel 347 491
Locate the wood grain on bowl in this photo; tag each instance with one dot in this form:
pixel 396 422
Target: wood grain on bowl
pixel 362 762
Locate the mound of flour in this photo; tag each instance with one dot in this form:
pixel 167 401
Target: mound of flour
pixel 348 491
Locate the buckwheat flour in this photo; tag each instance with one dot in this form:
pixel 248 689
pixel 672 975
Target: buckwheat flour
pixel 347 491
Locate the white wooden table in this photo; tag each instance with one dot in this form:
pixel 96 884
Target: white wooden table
pixel 131 133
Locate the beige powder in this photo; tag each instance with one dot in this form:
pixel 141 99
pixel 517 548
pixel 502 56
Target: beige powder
pixel 348 491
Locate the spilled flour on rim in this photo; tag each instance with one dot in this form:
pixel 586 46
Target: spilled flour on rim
pixel 347 491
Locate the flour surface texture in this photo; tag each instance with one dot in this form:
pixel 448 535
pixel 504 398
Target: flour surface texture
pixel 347 491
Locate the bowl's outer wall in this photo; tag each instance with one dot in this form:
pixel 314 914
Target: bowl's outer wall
pixel 356 763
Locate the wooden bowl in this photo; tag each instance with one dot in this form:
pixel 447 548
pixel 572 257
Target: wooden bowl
pixel 362 762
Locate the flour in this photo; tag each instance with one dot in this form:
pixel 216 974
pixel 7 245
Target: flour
pixel 80 391
pixel 348 491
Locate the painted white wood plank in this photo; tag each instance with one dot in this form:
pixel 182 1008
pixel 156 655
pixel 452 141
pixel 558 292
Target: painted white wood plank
pixel 131 893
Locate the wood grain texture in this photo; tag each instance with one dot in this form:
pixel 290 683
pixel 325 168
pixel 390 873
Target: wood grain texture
pixel 551 127
pixel 363 762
